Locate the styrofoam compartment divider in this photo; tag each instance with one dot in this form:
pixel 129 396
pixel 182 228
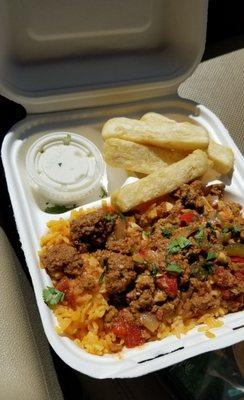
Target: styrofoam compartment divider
pixel 31 222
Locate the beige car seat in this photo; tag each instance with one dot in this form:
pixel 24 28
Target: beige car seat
pixel 26 367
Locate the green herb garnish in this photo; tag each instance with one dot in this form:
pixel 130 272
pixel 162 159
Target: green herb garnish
pixel 145 235
pixel 166 233
pixel 210 225
pixel 102 276
pixel 122 217
pixel 52 296
pixel 154 269
pixel 110 217
pixel 208 267
pixel 67 139
pixel 225 230
pixel 179 244
pixel 174 268
pixel 103 193
pixel 211 256
pixel 200 234
pixel 235 230
pixel 57 209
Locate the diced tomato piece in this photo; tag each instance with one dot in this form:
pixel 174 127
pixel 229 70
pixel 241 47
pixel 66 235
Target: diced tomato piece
pixel 70 298
pixel 63 285
pixel 142 253
pixel 226 294
pixel 237 259
pixel 239 275
pixel 187 218
pixel 129 332
pixel 168 283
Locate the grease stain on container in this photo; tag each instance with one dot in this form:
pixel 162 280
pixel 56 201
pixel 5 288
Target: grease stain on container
pixel 65 167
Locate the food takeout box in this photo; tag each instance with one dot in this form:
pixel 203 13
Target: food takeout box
pixel 73 65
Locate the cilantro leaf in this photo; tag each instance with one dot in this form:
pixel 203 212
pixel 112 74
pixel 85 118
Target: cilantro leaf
pixel 67 139
pixel 154 269
pixel 235 230
pixel 178 244
pixel 166 233
pixel 208 267
pixel 225 230
pixel 103 193
pixel 174 268
pixel 110 217
pixel 52 296
pixel 200 234
pixel 102 276
pixel 57 209
pixel 145 235
pixel 211 256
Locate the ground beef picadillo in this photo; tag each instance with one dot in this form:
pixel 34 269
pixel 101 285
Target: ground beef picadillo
pixel 183 256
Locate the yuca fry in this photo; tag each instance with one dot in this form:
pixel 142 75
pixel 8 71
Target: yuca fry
pixel 133 156
pixel 155 118
pixel 161 182
pixel 222 157
pixel 138 157
pixel 179 136
pixel 159 119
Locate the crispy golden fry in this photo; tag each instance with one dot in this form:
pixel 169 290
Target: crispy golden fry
pixel 155 118
pixel 161 182
pixel 159 119
pixel 138 157
pixel 176 135
pixel 222 157
pixel 133 156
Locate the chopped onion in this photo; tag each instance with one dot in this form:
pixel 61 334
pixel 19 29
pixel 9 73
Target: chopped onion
pixel 149 321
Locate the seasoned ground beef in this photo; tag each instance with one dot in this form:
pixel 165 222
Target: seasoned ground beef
pixel 190 194
pixel 183 258
pixel 119 273
pixel 92 230
pixel 61 259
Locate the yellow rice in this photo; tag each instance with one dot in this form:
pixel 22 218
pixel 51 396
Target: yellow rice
pixel 86 320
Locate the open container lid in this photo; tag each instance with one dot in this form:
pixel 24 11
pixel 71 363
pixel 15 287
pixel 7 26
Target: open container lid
pixel 59 55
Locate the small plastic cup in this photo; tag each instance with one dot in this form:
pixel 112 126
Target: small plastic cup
pixel 65 167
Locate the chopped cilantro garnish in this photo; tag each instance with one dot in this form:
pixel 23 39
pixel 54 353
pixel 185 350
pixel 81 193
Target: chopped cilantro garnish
pixel 103 193
pixel 178 244
pixel 208 268
pixel 57 209
pixel 67 139
pixel 235 229
pixel 225 230
pixel 145 235
pixel 102 276
pixel 200 234
pixel 211 256
pixel 174 268
pixel 154 269
pixel 52 296
pixel 110 217
pixel 122 217
pixel 210 225
pixel 166 233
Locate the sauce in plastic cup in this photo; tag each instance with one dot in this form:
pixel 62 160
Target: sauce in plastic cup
pixel 65 167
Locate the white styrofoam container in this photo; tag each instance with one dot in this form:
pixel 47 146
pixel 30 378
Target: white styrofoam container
pixel 86 57
pixel 31 223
